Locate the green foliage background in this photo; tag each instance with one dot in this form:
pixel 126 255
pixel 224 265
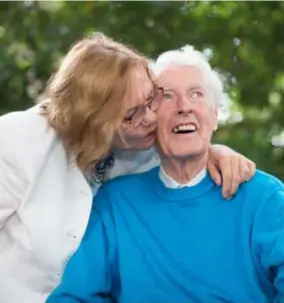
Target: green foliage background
pixel 245 39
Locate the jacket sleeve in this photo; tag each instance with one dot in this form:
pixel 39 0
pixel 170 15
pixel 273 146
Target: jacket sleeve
pixel 268 239
pixel 89 273
pixel 11 188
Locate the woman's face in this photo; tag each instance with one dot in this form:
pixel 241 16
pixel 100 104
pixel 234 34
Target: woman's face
pixel 137 131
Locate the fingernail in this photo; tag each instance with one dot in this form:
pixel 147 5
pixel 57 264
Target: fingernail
pixel 227 196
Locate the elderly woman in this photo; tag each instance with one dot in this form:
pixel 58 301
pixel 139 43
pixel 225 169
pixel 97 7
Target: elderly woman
pixel 166 235
pixel 53 157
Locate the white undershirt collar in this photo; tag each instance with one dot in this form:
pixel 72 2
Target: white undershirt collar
pixel 171 183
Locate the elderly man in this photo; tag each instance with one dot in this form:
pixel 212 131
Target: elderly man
pixel 167 235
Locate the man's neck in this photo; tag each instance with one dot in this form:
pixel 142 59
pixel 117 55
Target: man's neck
pixel 184 170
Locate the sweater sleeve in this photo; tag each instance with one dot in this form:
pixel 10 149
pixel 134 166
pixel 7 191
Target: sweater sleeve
pixel 88 274
pixel 268 238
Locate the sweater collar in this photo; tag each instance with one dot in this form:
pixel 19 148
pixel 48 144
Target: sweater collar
pixel 194 192
pixel 171 183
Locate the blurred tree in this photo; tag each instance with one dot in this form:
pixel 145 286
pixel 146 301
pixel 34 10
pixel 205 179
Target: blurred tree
pixel 245 41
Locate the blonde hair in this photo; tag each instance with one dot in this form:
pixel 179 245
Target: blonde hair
pixel 87 97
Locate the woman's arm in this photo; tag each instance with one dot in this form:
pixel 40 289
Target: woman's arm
pixel 229 168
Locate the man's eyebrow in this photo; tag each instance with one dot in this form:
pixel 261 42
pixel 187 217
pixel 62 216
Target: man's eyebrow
pixel 196 86
pixel 168 88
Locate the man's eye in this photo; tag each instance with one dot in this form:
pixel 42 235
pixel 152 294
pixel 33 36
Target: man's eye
pixel 196 94
pixel 168 96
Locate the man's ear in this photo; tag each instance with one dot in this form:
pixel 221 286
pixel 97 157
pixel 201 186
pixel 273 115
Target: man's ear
pixel 216 118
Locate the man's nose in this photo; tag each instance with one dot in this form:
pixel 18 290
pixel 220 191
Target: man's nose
pixel 150 117
pixel 183 106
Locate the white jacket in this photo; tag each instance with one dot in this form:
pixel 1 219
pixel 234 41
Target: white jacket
pixel 45 204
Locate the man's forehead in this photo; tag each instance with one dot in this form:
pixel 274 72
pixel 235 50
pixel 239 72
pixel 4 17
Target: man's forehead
pixel 180 75
pixel 177 69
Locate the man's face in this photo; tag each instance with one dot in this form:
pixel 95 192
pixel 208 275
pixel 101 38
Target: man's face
pixel 138 128
pixel 186 119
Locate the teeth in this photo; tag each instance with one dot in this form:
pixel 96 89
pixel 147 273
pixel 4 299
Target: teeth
pixel 184 127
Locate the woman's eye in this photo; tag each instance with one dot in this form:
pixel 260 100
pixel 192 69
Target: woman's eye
pixel 130 114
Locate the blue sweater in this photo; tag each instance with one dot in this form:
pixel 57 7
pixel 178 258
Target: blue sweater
pixel 146 243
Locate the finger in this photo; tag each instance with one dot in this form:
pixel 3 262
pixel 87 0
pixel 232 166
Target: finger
pixel 236 179
pixel 245 172
pixel 226 173
pixel 214 173
pixel 252 169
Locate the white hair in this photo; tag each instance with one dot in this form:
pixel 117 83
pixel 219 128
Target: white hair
pixel 188 56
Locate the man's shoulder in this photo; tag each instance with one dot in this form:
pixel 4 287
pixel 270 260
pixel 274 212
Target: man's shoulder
pixel 264 204
pixel 265 182
pixel 121 188
pixel 261 190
